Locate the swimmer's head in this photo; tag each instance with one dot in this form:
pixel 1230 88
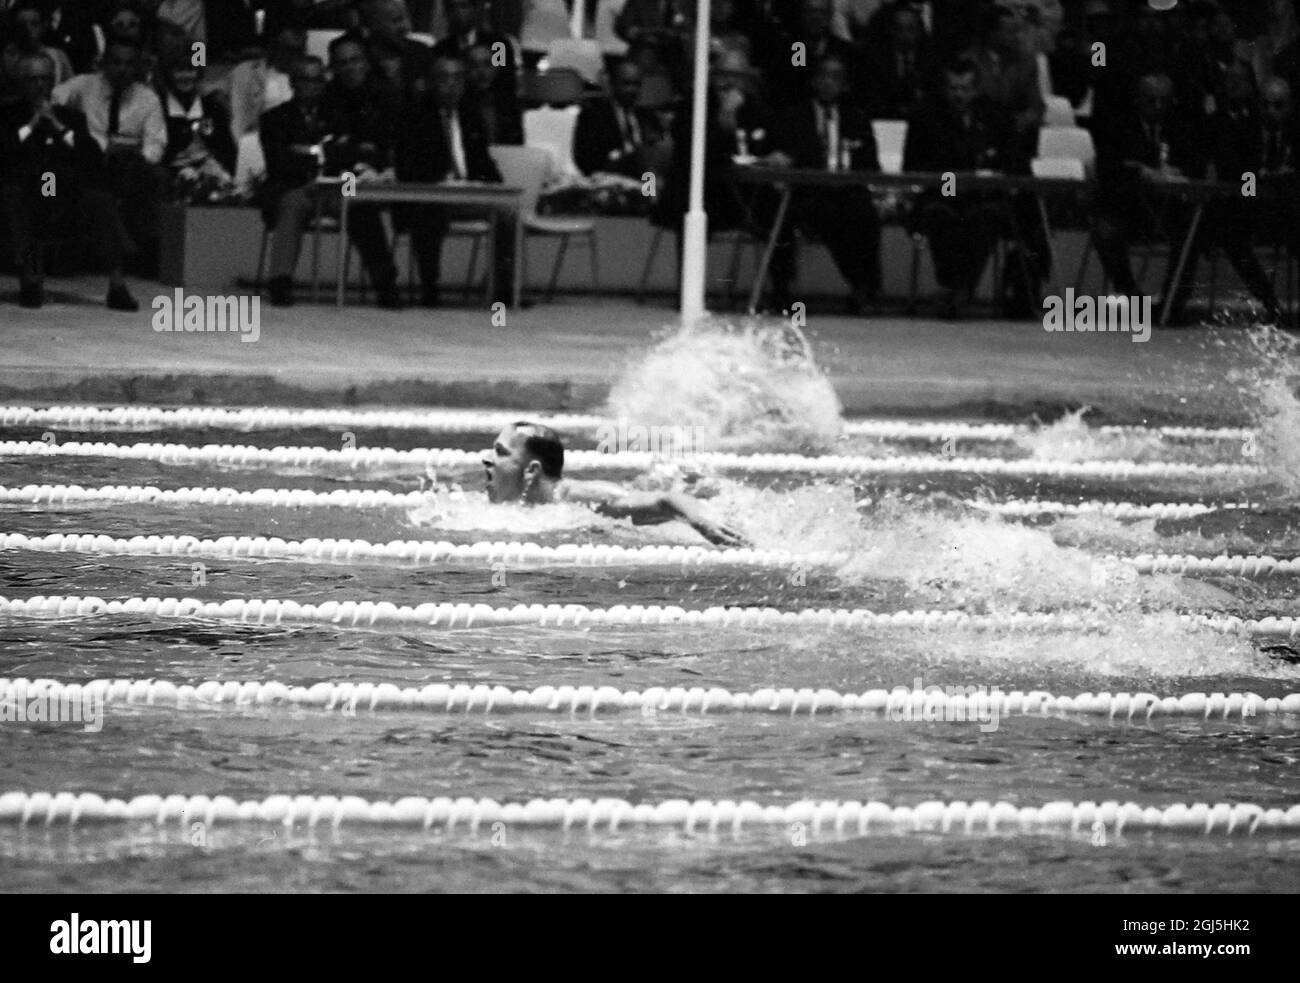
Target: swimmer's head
pixel 524 463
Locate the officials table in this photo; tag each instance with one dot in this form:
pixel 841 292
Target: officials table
pixel 475 194
pixel 786 179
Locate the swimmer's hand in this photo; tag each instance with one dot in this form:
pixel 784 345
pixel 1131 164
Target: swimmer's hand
pixel 650 508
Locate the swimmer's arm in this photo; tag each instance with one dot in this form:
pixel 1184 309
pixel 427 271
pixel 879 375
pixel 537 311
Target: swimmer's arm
pixel 650 508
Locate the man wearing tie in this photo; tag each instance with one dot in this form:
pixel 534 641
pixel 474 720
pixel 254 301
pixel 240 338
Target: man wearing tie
pixel 1139 152
pixel 126 119
pixel 498 110
pixel 466 28
pixel 824 132
pixel 613 135
pixel 441 142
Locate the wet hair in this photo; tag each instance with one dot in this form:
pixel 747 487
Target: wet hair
pixel 543 444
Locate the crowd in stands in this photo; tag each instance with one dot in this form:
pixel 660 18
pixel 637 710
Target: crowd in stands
pixel 109 108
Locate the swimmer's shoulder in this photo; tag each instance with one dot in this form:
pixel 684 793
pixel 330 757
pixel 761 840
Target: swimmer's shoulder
pixel 590 492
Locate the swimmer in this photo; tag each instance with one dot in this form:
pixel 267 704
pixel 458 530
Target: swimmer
pixel 526 464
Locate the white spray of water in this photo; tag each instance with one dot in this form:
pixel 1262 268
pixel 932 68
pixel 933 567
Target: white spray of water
pixel 741 387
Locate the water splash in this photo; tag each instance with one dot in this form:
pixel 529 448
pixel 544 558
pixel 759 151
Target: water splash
pixel 451 509
pixel 749 386
pixel 1264 366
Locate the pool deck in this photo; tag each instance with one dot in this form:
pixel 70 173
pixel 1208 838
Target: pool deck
pixel 564 355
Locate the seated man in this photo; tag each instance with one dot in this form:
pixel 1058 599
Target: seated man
pixel 198 126
pixel 613 135
pixel 325 131
pixel 126 119
pixel 497 110
pixel 467 27
pixel 260 84
pixel 958 131
pixel 401 60
pixel 813 31
pixel 30 26
pixel 44 146
pixel 897 71
pixel 526 464
pixel 442 142
pixel 1139 152
pixel 824 131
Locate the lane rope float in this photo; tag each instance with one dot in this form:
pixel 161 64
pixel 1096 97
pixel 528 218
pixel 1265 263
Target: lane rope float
pixel 379 498
pixel 420 552
pixel 448 420
pixel 385 614
pixel 918 704
pixel 445 813
pixel 581 461
pixel 408 552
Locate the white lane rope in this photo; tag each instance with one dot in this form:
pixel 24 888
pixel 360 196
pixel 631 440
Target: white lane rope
pixel 444 813
pixel 448 616
pixel 421 552
pixel 580 461
pixel 446 420
pixel 899 703
pixel 378 498
pixel 526 555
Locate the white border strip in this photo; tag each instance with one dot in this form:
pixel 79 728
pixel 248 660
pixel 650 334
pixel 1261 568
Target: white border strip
pixel 921 705
pixel 385 614
pixel 422 459
pixel 702 815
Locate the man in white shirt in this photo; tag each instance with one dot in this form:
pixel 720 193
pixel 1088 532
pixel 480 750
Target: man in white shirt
pixel 259 85
pixel 127 121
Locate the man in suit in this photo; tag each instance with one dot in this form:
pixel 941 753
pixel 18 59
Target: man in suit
pixel 466 25
pixel 44 146
pixel 788 70
pixel 897 70
pixel 317 132
pixel 442 142
pixel 614 135
pixel 1007 74
pixel 1139 152
pixel 827 133
pixel 498 111
pixel 386 29
pixel 957 130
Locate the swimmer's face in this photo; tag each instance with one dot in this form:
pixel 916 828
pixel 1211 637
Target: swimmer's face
pixel 509 467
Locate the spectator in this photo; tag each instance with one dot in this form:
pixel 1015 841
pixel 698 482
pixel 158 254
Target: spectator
pixel 959 130
pixel 786 75
pixel 497 109
pixel 898 70
pixel 613 135
pixel 225 27
pixel 386 30
pixel 1007 75
pixel 30 32
pixel 825 132
pixel 126 118
pixel 325 132
pixel 661 27
pixel 466 23
pixel 71 26
pixel 738 127
pixel 447 145
pixel 259 85
pixel 312 15
pixel 198 126
pixel 1138 152
pixel 40 140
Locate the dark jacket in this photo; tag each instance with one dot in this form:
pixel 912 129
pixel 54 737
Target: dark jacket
pixel 937 141
pixel 1123 141
pixel 889 90
pixel 722 199
pixel 598 142
pixel 363 122
pixel 1243 144
pixel 213 126
pixel 75 164
pixel 422 152
pixel 498 115
pixel 507 80
pixel 795 133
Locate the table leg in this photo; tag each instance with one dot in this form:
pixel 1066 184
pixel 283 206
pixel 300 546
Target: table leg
pixel 760 278
pixel 342 250
pixel 1183 255
pixel 517 287
pixel 493 246
pixel 1052 280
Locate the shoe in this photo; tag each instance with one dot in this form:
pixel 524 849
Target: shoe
pixel 390 299
pixel 281 290
pixel 120 299
pixel 861 302
pixel 430 298
pixel 31 295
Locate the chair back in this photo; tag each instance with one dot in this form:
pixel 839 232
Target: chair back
pixel 1058 112
pixel 524 168
pixel 318 44
pixel 551 130
pixel 560 87
pixel 544 21
pixel 1067 143
pixel 891 136
pixel 607 12
pixel 582 55
pixel 1059 167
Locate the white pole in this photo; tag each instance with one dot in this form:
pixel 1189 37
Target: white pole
pixel 695 235
pixel 578 22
